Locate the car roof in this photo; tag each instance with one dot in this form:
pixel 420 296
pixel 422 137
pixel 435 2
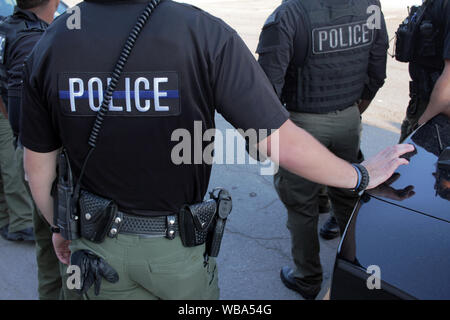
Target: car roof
pixel 431 197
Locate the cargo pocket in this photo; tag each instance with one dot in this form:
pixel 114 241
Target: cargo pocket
pixel 284 189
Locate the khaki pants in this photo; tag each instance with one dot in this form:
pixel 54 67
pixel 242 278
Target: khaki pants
pixel 16 205
pixel 340 133
pixel 153 268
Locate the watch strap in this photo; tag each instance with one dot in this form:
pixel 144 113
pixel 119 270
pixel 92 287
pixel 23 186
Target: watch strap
pixel 55 229
pixel 363 178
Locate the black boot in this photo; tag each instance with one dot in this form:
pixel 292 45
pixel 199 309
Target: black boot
pixel 22 235
pixel 308 291
pixel 4 232
pixel 330 229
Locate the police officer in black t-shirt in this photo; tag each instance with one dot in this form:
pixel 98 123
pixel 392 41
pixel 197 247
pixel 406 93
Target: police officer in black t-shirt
pixel 428 52
pixel 183 67
pixel 16 215
pixel 326 61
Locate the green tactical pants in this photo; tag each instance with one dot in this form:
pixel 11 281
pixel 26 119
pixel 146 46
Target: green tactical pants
pixel 416 108
pixel 340 132
pixel 52 274
pixel 153 268
pixel 16 205
pixel 324 201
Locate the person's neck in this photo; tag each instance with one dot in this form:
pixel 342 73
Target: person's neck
pixel 44 13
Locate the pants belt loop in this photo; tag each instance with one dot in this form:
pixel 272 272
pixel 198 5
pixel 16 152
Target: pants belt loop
pixel 115 228
pixel 170 227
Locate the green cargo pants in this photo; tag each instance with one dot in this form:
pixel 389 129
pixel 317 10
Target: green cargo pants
pixel 52 274
pixel 16 205
pixel 153 268
pixel 340 132
pixel 416 108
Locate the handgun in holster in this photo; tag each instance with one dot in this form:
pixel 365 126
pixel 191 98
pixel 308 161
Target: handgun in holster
pixel 224 207
pixel 204 223
pixel 65 216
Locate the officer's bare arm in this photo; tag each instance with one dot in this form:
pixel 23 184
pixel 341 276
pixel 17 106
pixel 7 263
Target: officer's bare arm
pixel 440 97
pixel 40 169
pixel 291 147
pixel 297 151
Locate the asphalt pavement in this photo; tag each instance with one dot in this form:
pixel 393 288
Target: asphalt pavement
pixel 256 244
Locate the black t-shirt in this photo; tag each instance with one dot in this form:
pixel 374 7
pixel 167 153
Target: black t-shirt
pixel 19 51
pixel 186 65
pixel 441 16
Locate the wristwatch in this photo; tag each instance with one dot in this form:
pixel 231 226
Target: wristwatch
pixel 363 178
pixel 55 229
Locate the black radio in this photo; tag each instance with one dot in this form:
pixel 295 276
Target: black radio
pixel 65 216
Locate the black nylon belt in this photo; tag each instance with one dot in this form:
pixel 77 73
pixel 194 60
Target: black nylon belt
pixel 150 226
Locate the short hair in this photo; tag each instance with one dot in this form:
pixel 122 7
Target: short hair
pixel 30 4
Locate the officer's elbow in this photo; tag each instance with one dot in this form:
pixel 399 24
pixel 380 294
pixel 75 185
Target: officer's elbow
pixel 40 168
pixel 280 146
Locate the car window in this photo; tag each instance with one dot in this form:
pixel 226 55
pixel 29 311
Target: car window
pixel 61 9
pixel 7 7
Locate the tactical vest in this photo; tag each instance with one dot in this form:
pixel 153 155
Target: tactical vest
pixel 333 76
pixel 9 30
pixel 420 41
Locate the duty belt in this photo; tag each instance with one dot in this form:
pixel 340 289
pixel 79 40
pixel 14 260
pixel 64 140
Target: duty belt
pixel 151 227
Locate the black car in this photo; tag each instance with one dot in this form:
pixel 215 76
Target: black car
pixel 7 8
pixel 397 242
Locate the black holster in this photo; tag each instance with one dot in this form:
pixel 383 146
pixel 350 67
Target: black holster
pixel 224 207
pixel 99 217
pixel 81 213
pixel 65 215
pixel 204 223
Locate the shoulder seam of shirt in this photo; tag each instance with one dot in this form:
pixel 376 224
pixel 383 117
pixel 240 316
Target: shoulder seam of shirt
pixel 216 20
pixel 207 15
pixel 17 43
pixel 219 52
